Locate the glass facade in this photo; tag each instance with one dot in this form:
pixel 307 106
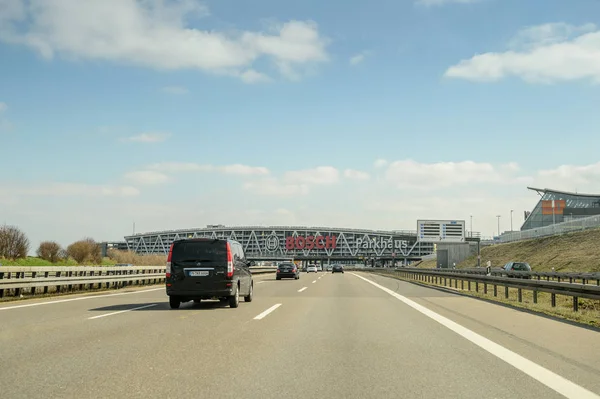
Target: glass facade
pixel 566 207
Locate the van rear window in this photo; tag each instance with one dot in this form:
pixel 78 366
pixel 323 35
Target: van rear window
pixel 201 251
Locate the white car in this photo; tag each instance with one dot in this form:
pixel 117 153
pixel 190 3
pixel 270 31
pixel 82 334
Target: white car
pixel 311 268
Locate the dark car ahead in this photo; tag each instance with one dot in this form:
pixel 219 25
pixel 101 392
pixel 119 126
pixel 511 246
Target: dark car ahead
pixel 287 270
pixel 517 267
pixel 207 268
pixel 337 269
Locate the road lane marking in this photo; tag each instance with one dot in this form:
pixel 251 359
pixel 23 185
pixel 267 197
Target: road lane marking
pixel 552 380
pixel 301 289
pixel 121 311
pixel 260 282
pixel 77 299
pixel 266 312
pixel 314 281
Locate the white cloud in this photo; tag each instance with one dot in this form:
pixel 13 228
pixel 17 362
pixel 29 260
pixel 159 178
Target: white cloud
pixel 380 163
pixel 178 167
pixel 157 34
pixel 416 190
pixel 429 3
pixel 3 107
pixel 251 76
pixel 234 169
pixel 583 178
pixel 57 189
pixel 147 177
pixel 409 174
pixel 539 54
pixel 356 174
pixel 148 138
pixel 175 90
pixel 244 170
pixel 272 187
pixel 357 59
pixel 322 175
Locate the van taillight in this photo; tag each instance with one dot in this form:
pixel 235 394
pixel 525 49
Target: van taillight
pixel 169 261
pixel 229 262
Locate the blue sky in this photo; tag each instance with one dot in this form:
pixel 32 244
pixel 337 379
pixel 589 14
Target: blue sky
pixel 114 111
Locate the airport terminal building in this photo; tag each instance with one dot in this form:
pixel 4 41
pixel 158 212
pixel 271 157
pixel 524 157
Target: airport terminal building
pixel 560 206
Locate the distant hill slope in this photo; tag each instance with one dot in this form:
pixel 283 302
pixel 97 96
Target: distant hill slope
pixel 573 252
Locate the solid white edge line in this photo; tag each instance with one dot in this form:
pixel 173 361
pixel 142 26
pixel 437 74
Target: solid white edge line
pixel 77 299
pixel 121 311
pixel 266 312
pixel 552 380
pixel 302 289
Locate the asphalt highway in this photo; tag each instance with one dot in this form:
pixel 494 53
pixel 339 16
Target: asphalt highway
pixel 351 335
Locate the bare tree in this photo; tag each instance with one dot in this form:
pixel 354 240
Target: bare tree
pixel 14 244
pixel 85 250
pixel 49 250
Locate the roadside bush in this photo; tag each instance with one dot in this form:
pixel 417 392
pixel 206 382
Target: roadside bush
pixel 136 259
pixel 50 251
pixel 14 244
pixel 86 250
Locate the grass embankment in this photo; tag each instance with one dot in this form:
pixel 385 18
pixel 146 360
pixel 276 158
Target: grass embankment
pixel 572 252
pixel 114 257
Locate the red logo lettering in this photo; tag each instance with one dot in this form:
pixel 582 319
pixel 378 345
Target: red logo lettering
pixel 310 242
pixel 319 242
pixel 289 243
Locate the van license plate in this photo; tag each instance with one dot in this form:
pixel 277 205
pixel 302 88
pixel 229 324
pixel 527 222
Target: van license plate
pixel 198 273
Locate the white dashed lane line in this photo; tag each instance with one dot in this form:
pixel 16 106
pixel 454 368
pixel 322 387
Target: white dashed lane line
pixel 266 312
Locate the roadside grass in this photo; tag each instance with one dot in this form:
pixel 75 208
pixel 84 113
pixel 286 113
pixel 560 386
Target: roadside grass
pixel 589 309
pixel 128 257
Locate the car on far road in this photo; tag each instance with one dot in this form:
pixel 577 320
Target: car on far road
pixel 311 268
pixel 516 267
pixel 329 268
pixel 287 270
pixel 319 268
pixel 337 269
pixel 208 268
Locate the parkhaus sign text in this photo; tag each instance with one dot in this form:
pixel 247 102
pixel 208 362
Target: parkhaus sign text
pixel 381 243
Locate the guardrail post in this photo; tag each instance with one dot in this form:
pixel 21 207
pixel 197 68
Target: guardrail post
pixel 33 288
pixel 495 290
pixel 46 287
pixel 485 288
pixel 520 294
pixel 1 290
pixel 553 299
pixel 58 286
pixel 476 286
pixel 462 285
pixel 535 294
pixel 469 285
pixel 506 292
pixel 575 304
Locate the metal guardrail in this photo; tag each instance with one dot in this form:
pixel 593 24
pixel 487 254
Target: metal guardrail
pixel 561 277
pixel 447 278
pixel 15 279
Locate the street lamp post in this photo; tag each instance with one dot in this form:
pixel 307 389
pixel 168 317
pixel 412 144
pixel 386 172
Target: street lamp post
pixel 511 225
pixel 471 228
pixel 498 216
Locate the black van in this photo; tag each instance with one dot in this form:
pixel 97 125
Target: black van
pixel 208 268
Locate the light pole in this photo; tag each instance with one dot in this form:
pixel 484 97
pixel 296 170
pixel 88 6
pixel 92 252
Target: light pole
pixel 471 226
pixel 511 225
pixel 498 216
